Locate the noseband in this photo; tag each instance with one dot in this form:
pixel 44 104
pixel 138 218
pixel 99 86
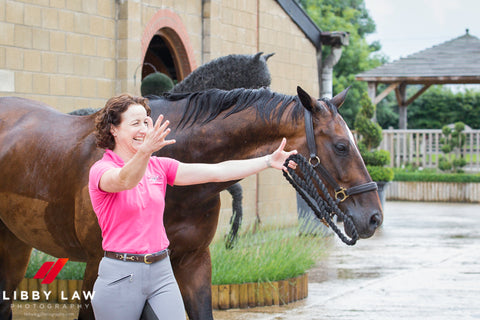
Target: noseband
pixel 341 193
pixel 309 185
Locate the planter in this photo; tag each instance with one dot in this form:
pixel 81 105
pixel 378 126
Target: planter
pixel 382 187
pixel 249 295
pixel 434 191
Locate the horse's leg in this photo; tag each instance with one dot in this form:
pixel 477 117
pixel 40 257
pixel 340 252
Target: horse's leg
pixel 194 276
pixel 90 236
pixel 91 271
pixel 14 256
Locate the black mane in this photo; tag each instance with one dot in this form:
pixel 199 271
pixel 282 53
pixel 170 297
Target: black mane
pixel 204 106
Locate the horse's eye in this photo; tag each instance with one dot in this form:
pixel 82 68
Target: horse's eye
pixel 341 148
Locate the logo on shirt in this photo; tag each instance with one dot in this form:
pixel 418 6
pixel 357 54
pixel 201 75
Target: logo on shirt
pixel 154 179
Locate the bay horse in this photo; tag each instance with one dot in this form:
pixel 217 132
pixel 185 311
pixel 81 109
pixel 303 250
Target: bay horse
pixel 45 158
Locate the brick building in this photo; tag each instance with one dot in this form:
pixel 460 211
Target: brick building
pixel 74 54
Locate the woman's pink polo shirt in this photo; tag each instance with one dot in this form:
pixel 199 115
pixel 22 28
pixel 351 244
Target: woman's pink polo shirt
pixel 132 220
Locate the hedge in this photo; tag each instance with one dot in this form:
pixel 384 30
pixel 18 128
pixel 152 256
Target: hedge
pixel 401 175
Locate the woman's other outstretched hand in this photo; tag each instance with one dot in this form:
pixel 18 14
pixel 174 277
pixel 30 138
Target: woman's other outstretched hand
pixel 278 157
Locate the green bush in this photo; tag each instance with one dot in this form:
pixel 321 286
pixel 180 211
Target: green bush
pixel 452 140
pixel 370 131
pixel 376 157
pixel 443 163
pixel 156 84
pixel 378 173
pixel 429 176
pixel 371 136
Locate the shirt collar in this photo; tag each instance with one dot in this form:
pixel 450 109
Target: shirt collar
pixel 110 155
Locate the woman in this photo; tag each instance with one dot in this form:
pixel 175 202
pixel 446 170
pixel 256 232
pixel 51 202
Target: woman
pixel 127 189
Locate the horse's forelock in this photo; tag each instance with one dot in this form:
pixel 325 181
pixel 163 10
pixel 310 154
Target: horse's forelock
pixel 330 105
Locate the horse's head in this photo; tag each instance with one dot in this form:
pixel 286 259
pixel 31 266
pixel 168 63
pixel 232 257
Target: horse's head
pixel 332 149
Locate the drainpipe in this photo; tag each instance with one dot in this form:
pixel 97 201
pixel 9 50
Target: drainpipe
pixel 327 72
pixel 336 40
pixel 257 176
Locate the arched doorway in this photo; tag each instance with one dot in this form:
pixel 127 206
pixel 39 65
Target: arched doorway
pixel 166 47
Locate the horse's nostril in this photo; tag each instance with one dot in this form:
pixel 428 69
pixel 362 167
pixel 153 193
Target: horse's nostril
pixel 375 220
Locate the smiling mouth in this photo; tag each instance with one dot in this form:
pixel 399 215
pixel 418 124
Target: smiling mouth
pixel 138 139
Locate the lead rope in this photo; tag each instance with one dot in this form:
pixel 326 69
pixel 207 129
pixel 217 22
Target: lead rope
pixel 324 208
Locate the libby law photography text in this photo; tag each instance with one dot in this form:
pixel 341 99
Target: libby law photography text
pixel 45 295
pixel 37 309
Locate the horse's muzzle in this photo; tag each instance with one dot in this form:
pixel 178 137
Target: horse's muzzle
pixel 366 225
pixel 375 221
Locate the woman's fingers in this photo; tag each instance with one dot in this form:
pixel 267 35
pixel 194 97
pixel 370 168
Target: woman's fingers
pixel 282 144
pixel 156 134
pixel 149 123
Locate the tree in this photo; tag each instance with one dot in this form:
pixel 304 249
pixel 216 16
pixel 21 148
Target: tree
pixel 453 141
pixel 371 136
pixel 439 106
pixel 351 16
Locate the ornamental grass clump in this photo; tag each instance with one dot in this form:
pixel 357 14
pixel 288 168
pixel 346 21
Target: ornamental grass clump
pixel 265 256
pixel 71 271
pixel 371 136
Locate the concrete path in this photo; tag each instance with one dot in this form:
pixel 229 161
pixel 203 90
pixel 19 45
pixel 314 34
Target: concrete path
pixel 424 263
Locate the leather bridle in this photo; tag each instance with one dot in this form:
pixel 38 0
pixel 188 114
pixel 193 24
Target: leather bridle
pixel 341 193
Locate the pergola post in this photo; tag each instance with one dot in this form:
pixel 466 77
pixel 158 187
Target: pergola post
pixel 401 93
pixel 372 94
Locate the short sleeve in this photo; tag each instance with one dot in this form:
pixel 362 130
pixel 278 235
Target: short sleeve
pixel 169 167
pixel 97 195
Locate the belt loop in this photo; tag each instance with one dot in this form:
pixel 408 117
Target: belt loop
pixel 125 257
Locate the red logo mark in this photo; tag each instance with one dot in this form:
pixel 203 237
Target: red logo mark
pixel 49 273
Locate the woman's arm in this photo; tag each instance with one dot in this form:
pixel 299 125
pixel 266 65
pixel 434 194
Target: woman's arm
pixel 196 173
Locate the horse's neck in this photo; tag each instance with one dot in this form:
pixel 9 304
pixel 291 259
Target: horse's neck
pixel 239 136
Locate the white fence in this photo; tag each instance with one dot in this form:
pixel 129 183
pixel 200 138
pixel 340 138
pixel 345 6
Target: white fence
pixel 423 148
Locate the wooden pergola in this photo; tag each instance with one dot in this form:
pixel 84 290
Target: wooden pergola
pixel 453 62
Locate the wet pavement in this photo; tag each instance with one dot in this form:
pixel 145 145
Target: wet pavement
pixel 424 263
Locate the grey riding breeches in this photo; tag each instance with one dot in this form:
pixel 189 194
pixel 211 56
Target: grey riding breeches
pixel 124 288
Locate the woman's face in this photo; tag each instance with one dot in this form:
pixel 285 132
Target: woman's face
pixel 131 131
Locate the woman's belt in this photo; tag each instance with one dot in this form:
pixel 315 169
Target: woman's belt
pixel 145 258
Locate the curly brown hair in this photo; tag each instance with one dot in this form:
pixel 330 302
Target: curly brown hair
pixel 111 115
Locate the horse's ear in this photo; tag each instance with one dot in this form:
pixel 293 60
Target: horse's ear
pixel 257 56
pixel 268 56
pixel 339 99
pixel 306 100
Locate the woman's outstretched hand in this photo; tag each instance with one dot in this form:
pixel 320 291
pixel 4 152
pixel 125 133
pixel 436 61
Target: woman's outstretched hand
pixel 278 157
pixel 156 134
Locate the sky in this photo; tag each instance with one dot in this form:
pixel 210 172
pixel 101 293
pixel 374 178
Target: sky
pixel 404 27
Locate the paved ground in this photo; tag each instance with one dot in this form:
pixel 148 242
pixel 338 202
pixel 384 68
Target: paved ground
pixel 424 263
